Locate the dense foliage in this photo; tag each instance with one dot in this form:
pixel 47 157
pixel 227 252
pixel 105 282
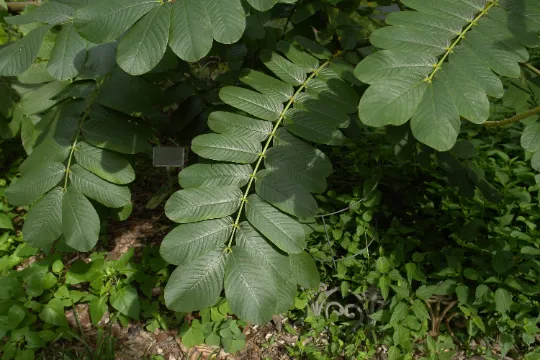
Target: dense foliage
pixel 275 101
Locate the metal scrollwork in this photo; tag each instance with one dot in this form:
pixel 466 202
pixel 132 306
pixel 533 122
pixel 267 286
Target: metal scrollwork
pixel 366 304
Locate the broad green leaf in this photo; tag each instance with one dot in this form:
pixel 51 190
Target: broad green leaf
pixel 43 224
pixel 49 13
pixel 309 126
pixel 94 187
pixel 288 196
pixel 399 313
pixel 442 26
pixel 53 313
pixel 197 284
pixel 262 5
pixel 436 122
pixel 17 57
pixel 267 85
pixel 191 30
pixel 5 222
pixel 213 175
pixel 196 204
pixel 226 147
pixel 391 101
pixel 313 47
pixel 15 315
pixel 283 68
pixel 80 221
pixel 251 102
pixel 106 164
pixel 97 308
pixel 276 262
pixel 529 250
pixel 335 91
pixel 398 38
pixel 122 213
pixel 106 130
pixel 105 21
pixel 100 59
pixel 227 19
pixel 55 147
pixel 251 293
pixel 503 300
pixel 34 184
pixel 530 139
pixel 477 71
pixel 129 94
pixel 420 311
pixel 41 99
pixel 145 44
pixel 298 56
pixel 242 126
pixel 126 301
pixel 287 290
pixel 68 55
pixel 285 232
pixel 304 271
pixel 462 292
pixel 323 110
pixel 188 242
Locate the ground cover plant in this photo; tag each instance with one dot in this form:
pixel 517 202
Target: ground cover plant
pixel 388 146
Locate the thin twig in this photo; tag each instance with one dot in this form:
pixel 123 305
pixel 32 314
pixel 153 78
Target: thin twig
pixel 513 119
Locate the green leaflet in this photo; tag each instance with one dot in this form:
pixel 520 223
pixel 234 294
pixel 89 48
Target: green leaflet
pixel 438 65
pixel 106 21
pixel 262 5
pixel 48 13
pixel 105 164
pixel 17 57
pixel 42 99
pixel 43 224
pixel 267 85
pixel 227 19
pixel 530 139
pixel 241 126
pixel 284 69
pixel 126 301
pixel 297 56
pixel 94 187
pixel 226 147
pixel 192 205
pixel 304 270
pixel 54 146
pixel 285 232
pixel 251 102
pixel 196 285
pixel 212 175
pixel 68 55
pixel 106 130
pixel 251 293
pixel 276 262
pixel 80 221
pixel 187 242
pixel 191 32
pixel 285 194
pixel 34 184
pixel 145 44
pixel 436 121
pixel 312 127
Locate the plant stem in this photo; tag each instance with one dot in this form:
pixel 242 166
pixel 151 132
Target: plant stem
pixel 513 119
pixel 461 35
pixel 532 68
pixel 267 145
pixel 72 150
